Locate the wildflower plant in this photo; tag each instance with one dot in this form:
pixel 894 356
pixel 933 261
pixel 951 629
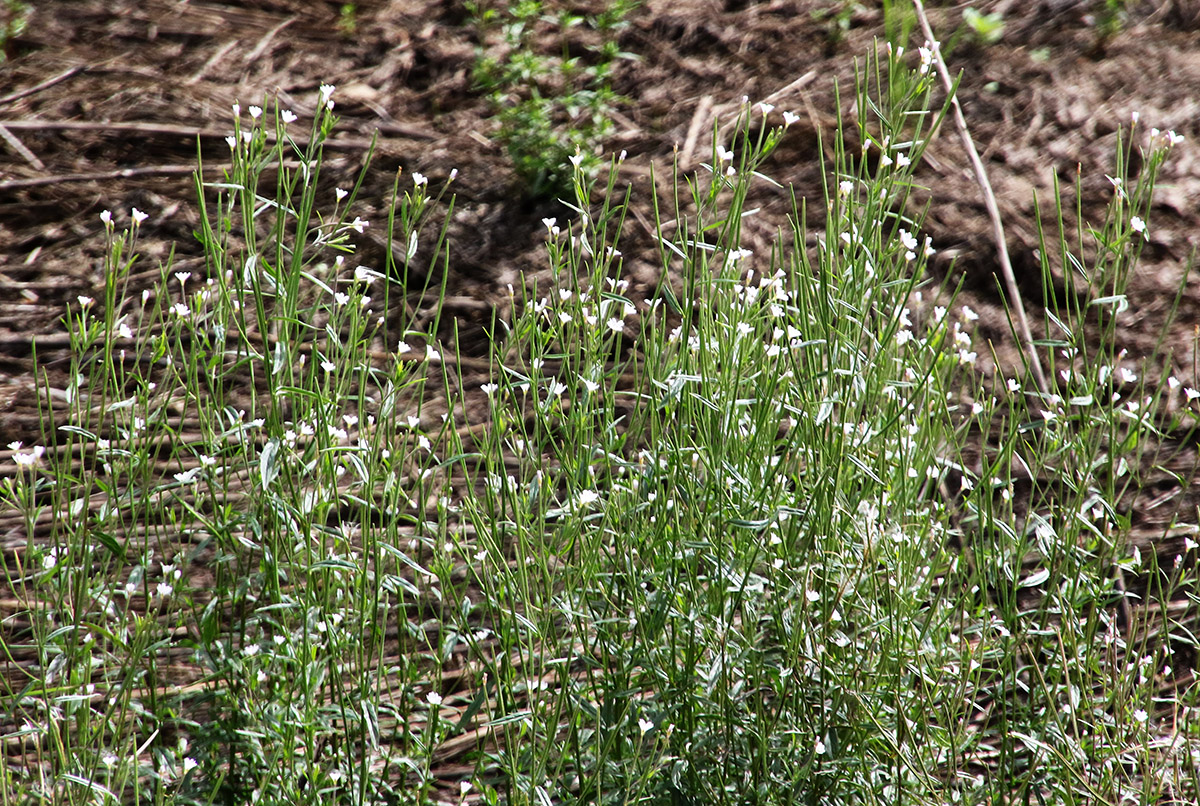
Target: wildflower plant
pixel 255 422
pixel 763 534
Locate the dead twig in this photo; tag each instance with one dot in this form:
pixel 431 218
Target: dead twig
pixel 989 199
pixel 20 148
pixel 50 82
pixel 106 176
pixel 161 129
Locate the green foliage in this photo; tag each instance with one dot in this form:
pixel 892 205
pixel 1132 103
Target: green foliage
pixel 14 17
pixel 347 23
pixel 553 108
pixel 986 29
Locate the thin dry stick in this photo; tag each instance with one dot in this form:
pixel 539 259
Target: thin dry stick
pixel 989 199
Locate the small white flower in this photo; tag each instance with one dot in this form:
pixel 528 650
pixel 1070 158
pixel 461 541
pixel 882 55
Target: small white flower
pixel 420 179
pixel 766 108
pixel 645 726
pixel 138 216
pixel 576 160
pixel 359 224
pixel 326 93
pixel 433 698
pixel 237 110
pixel 1140 715
pixel 189 764
pixel 789 118
pixel 489 389
pixel 616 325
pixel 812 596
pixel 85 301
pixel 1191 393
pixel 432 354
pixel 256 112
pixel 403 347
pixel 1139 226
pixel 328 366
pixel 340 194
pixel 163 590
pixel 106 217
pixel 724 154
pixel 969 314
pixel 288 116
pixel 588 497
pixel 232 142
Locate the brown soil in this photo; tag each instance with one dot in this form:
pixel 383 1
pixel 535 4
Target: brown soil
pixel 106 102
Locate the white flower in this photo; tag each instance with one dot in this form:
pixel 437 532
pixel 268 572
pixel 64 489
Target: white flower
pixel 724 155
pixel 85 301
pixel 1140 715
pixel 489 389
pixel 138 216
pixel 163 590
pixel 433 698
pixel 256 112
pixel 588 497
pixel 420 179
pixel 106 217
pixel 789 118
pixel 616 325
pixel 341 194
pixel 969 314
pixel 359 224
pixel 328 366
pixel 326 93
pixel 645 726
pixel 237 110
pixel 1139 226
pixel 232 142
pixel 766 108
pixel 288 116
pixel 432 354
pixel 576 160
